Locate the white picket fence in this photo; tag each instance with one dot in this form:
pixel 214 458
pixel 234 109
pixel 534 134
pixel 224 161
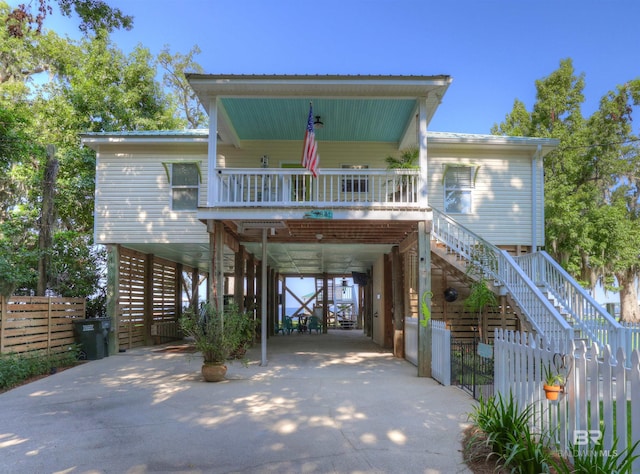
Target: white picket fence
pixel 440 352
pixel 630 338
pixel 411 339
pixel 596 391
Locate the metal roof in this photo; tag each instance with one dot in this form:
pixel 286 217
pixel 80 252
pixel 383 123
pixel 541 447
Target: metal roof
pixel 378 108
pixel 433 137
pixel 353 108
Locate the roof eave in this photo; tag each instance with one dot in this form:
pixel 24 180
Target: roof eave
pixel 211 85
pixel 546 144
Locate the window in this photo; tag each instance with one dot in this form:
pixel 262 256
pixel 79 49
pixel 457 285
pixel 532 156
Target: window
pixel 458 183
pixel 185 178
pixel 354 182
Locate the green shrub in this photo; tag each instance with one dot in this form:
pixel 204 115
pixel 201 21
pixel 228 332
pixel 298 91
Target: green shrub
pixel 594 459
pixel 499 419
pixel 506 431
pixel 527 453
pixel 16 368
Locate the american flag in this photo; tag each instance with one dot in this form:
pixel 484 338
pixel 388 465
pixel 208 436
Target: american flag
pixel 310 155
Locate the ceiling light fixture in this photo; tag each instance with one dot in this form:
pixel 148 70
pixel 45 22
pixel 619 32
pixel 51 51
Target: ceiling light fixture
pixel 318 123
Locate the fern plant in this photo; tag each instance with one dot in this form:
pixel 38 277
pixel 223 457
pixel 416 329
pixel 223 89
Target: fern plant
pixel 480 298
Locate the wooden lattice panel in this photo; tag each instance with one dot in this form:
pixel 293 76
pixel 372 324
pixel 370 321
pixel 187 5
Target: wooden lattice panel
pixel 165 286
pixel 131 299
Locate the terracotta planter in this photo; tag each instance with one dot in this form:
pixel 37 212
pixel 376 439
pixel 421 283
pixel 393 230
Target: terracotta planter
pixel 213 372
pixel 551 391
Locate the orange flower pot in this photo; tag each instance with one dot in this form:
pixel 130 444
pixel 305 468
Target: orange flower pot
pixel 551 391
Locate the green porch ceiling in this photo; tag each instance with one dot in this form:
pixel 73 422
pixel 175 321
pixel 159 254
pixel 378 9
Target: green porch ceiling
pixel 380 120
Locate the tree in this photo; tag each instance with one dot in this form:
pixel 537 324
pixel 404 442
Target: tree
pixel 591 181
pixel 95 15
pixel 91 86
pixel 181 92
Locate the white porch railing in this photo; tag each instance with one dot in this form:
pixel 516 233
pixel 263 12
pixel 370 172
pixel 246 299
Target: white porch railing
pixel 500 267
pixel 593 321
pixel 291 187
pixel 599 390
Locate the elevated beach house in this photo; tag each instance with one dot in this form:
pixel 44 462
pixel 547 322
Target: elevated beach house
pixel 233 206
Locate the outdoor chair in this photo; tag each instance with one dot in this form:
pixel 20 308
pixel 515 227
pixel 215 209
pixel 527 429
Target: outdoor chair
pixel 286 327
pixel 314 323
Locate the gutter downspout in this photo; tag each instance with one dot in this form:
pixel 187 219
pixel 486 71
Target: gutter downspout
pixel 534 199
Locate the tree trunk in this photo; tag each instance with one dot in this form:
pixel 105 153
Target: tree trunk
pixel 629 311
pixel 47 220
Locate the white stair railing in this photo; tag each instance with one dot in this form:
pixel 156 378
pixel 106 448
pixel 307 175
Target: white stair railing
pixel 596 325
pixel 499 266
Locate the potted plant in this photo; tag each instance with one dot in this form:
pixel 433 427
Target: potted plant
pixel 553 383
pixel 217 334
pixel 408 160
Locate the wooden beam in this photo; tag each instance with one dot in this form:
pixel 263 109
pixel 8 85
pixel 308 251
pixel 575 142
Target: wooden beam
pixel 424 286
pixel 216 264
pixel 178 307
pixel 410 242
pixel 113 285
pixel 398 302
pixel 238 277
pixel 148 299
pixel 325 303
pixel 250 304
pixel 387 309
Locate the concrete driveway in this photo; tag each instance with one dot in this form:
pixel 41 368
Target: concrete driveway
pixel 328 403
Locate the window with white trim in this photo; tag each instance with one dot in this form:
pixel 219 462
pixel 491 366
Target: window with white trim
pixel 185 181
pixel 355 182
pixel 458 184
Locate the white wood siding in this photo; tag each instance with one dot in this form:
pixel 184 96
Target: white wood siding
pixel 502 196
pixel 133 196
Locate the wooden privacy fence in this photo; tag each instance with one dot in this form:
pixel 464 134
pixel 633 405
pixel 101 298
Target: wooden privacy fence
pixel 601 397
pixel 30 323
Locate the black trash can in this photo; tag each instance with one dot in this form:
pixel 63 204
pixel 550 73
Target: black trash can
pixel 93 337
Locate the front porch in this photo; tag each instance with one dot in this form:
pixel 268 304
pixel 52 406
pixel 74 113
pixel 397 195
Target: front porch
pixel 278 188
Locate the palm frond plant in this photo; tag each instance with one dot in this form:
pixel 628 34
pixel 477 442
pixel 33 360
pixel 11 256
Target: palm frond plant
pixel 480 298
pixel 408 160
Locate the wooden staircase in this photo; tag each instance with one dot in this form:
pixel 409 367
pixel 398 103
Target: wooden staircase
pixel 553 304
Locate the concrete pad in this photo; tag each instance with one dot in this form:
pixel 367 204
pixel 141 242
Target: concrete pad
pixel 327 403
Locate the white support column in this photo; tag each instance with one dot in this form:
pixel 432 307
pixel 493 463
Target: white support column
pixel 212 179
pixel 422 157
pixel 263 301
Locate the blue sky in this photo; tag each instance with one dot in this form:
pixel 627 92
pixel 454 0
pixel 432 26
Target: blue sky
pixel 493 49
